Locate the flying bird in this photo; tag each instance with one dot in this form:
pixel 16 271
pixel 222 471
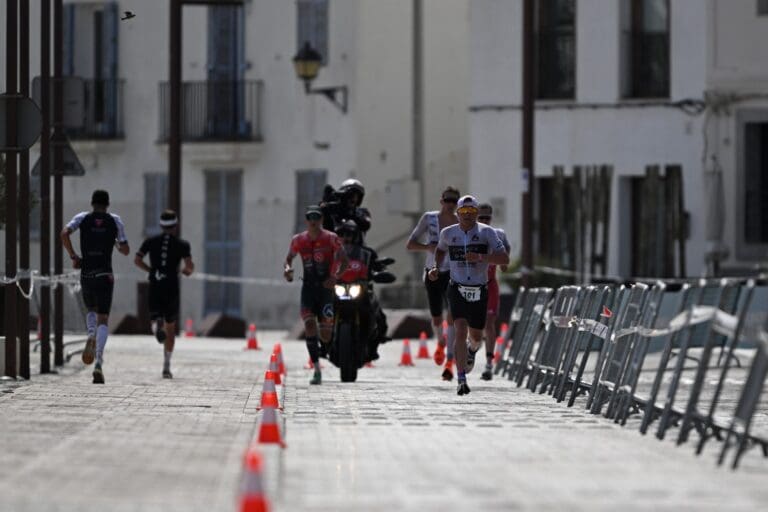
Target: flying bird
pixel 128 15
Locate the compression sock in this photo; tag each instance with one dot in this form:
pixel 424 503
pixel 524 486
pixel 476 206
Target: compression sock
pixel 90 323
pixel 451 341
pixel 167 360
pixel 102 331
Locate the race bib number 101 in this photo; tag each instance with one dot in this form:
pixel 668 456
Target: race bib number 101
pixel 470 293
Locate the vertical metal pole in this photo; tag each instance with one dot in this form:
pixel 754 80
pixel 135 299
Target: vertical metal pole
pixel 58 196
pixel 528 141
pixel 11 73
pixel 418 121
pixel 24 194
pixel 45 185
pixel 174 140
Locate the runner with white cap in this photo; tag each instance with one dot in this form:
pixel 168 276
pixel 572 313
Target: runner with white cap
pixel 470 247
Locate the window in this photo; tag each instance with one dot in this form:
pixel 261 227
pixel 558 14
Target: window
pixel 312 25
pixel 155 199
pixel 223 239
pixel 91 53
pixel 762 7
pixel 556 49
pixel 225 91
pixel 309 190
pixel 755 183
pixel 645 48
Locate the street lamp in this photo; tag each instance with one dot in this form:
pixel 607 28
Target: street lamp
pixel 307 65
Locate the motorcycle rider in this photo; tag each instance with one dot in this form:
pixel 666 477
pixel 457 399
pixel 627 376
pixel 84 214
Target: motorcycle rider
pixel 345 204
pixel 360 267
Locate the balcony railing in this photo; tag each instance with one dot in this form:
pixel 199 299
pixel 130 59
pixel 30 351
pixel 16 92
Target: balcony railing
pixel 215 111
pixel 93 108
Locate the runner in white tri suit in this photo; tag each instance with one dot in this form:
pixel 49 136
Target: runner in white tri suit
pixel 470 247
pixel 424 238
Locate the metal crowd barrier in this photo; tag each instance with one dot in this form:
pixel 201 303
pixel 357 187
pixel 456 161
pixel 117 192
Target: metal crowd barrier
pixel 554 332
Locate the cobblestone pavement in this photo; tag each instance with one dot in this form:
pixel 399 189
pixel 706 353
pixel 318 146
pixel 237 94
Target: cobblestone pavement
pixel 398 439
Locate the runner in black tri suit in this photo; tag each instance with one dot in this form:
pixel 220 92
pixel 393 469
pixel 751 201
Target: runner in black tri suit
pixel 166 252
pixel 99 233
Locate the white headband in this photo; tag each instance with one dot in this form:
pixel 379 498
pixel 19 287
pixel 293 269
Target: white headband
pixel 168 223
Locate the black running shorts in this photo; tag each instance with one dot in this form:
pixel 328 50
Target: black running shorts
pixel 164 301
pixel 474 312
pixel 97 292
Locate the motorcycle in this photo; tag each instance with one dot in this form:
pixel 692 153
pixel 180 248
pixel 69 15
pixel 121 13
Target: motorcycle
pixel 356 333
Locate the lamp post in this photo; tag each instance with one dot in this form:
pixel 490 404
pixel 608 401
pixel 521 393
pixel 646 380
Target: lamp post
pixel 307 64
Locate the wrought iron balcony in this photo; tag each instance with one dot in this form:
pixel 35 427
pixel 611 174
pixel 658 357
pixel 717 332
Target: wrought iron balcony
pixel 93 108
pixel 215 111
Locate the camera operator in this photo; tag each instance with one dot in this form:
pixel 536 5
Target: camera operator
pixel 344 204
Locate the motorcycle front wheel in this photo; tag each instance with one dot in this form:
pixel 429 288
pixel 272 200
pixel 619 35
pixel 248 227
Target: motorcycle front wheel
pixel 347 359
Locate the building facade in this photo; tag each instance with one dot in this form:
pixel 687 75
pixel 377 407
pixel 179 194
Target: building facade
pixel 256 148
pixel 630 84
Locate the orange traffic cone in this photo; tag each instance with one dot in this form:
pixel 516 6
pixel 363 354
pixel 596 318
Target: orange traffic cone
pixel 280 363
pixel 269 432
pixel 275 369
pixel 189 329
pixel 252 497
pixel 497 353
pixel 405 358
pixel 423 349
pixel 268 392
pixel 504 329
pixel 251 342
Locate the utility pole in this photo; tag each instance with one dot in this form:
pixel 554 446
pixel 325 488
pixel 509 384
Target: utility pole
pixel 23 309
pixel 418 121
pixel 174 139
pixel 528 141
pixel 45 185
pixel 11 74
pixel 58 175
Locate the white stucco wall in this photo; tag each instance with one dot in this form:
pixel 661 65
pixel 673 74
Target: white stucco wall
pixel 370 53
pixel 627 138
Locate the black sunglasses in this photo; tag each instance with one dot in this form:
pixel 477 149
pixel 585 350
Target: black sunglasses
pixel 313 216
pixel 453 200
pixel 483 217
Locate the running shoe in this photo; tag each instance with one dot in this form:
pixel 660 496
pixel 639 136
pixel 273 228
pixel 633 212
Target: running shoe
pixel 160 331
pixel 89 352
pixel 487 374
pixel 448 371
pixel 470 358
pixel 98 375
pixel 439 355
pixel 167 374
pixel 317 379
pixel 462 389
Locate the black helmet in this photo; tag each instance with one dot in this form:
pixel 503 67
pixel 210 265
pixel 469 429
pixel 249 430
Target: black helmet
pixel 347 227
pixel 353 185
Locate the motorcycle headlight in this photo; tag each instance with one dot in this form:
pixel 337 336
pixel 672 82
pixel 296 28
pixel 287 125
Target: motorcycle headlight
pixel 354 290
pixel 340 290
